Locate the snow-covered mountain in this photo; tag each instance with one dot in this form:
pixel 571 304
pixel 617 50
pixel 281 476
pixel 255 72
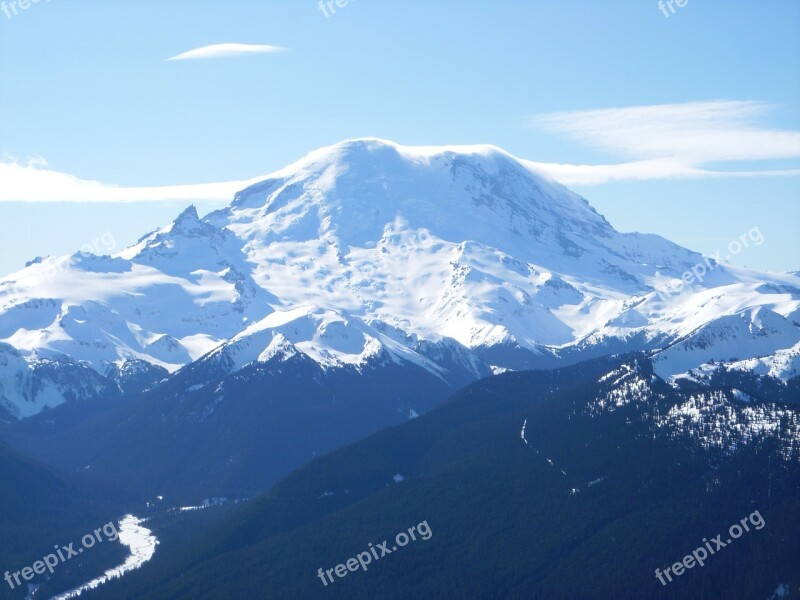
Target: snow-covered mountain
pixel 454 259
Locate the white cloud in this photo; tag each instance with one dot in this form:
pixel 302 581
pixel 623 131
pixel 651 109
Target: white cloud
pixel 643 170
pixel 678 141
pixel 672 140
pixel 226 50
pixel 34 182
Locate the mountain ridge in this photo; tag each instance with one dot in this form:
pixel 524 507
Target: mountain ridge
pixel 463 245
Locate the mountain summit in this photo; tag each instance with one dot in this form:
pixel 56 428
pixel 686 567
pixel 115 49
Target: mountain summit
pixel 456 259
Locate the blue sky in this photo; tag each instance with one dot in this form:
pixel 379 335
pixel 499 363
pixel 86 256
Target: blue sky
pixel 686 126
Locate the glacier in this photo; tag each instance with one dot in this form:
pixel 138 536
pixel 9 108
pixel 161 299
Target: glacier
pixel 371 251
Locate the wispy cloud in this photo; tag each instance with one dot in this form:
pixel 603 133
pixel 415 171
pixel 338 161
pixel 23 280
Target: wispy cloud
pixel 226 51
pixel 35 182
pixel 672 140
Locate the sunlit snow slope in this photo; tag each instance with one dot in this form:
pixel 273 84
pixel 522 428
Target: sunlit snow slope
pixel 368 250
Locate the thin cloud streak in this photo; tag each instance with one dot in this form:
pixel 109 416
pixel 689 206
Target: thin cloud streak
pixel 678 141
pixel 672 141
pixel 645 170
pixel 226 51
pixel 33 182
